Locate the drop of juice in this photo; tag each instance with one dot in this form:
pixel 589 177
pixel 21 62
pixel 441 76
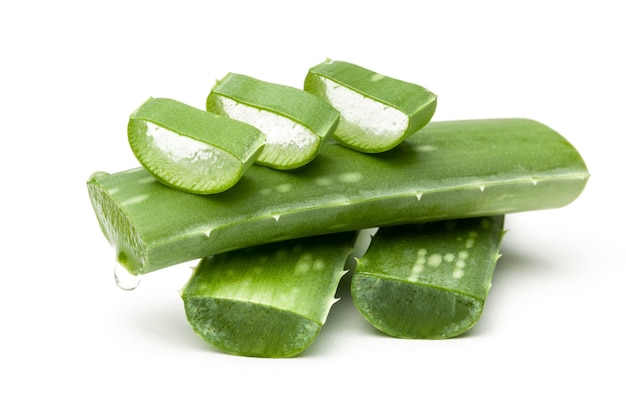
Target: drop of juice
pixel 124 279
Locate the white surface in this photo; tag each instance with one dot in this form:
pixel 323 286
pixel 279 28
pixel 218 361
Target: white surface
pixel 72 72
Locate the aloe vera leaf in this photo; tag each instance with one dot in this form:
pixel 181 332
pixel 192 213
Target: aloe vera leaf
pixel 295 122
pixel 190 149
pixel 267 301
pixel 428 281
pixel 377 112
pixel 448 170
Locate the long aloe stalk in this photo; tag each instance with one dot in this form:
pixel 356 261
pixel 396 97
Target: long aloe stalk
pixel 428 281
pixel 270 300
pixel 446 170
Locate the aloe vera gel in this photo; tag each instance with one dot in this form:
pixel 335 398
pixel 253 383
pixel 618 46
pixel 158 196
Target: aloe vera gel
pixel 428 281
pixel 190 149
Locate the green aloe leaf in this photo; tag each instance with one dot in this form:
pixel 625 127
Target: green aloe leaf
pixel 377 112
pixel 267 301
pixel 296 123
pixel 190 149
pixel 428 281
pixel 447 170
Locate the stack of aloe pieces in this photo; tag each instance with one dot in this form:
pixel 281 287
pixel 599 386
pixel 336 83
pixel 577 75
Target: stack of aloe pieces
pixel 270 187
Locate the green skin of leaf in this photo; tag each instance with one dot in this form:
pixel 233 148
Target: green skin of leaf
pixel 239 142
pixel 447 170
pixel 267 301
pixel 417 102
pixel 292 103
pixel 428 281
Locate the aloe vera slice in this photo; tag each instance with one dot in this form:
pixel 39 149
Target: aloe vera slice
pixel 428 281
pixel 267 301
pixel 448 170
pixel 295 122
pixel 190 149
pixel 377 112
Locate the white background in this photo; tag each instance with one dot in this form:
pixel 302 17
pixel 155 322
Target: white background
pixel 72 72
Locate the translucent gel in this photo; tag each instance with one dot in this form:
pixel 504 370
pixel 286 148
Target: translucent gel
pixel 180 148
pixel 124 279
pixel 359 113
